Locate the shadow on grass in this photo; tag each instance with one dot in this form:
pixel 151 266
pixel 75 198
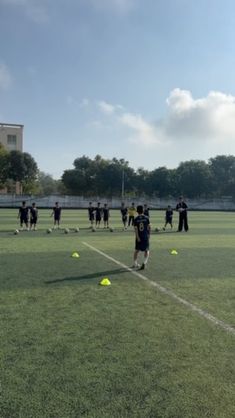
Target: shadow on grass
pixel 94 275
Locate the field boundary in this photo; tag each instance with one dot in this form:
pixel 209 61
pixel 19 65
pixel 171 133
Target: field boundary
pixel 189 305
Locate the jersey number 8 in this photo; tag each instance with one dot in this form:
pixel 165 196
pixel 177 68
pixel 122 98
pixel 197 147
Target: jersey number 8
pixel 141 226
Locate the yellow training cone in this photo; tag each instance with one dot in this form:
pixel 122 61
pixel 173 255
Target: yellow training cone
pixel 105 282
pixel 75 255
pixel 174 252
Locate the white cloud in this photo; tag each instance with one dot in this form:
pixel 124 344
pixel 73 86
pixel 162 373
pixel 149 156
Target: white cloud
pixel 5 77
pixel 106 107
pixel 35 10
pixel 203 124
pixel 140 131
pixel 143 132
pixel 208 118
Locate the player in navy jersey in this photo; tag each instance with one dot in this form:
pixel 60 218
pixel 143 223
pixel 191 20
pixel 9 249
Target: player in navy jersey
pixel 168 217
pixel 91 213
pixel 124 212
pixel 56 213
pixel 106 215
pixel 33 216
pixel 98 214
pixel 23 214
pixel 146 210
pixel 142 233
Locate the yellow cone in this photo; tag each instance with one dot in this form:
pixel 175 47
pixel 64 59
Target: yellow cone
pixel 174 252
pixel 105 282
pixel 75 255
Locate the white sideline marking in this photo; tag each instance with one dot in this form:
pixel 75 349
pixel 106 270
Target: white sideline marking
pixel 168 292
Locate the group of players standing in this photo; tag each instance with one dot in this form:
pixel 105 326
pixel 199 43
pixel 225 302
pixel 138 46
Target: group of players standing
pixel 96 214
pixel 28 216
pixel 141 222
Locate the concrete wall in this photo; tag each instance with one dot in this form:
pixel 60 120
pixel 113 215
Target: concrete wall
pixel 114 202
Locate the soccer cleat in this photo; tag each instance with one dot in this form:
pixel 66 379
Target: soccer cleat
pixel 135 266
pixel 142 267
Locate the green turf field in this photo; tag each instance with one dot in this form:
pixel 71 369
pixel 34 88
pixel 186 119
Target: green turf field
pixel 70 348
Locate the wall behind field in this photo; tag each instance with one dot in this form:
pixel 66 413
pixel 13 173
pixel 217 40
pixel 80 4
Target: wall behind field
pixel 12 201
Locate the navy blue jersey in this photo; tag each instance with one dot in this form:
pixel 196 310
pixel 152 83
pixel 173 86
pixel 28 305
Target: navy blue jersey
pixel 23 212
pixel 106 214
pixel 91 213
pixel 98 213
pixel 169 214
pixel 146 212
pixel 33 213
pixel 141 222
pixel 124 212
pixel 57 212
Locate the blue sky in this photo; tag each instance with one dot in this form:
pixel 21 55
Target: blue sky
pixel 149 81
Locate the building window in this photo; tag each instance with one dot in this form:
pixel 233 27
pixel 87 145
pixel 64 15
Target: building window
pixel 11 141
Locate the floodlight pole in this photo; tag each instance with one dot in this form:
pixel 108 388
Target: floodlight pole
pixel 123 184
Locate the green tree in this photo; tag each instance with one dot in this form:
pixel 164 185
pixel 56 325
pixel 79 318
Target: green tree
pixel 22 169
pixel 160 182
pixel 46 185
pixel 98 176
pixel 4 165
pixel 194 179
pixel 222 170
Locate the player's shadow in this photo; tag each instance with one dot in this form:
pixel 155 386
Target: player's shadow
pixel 95 275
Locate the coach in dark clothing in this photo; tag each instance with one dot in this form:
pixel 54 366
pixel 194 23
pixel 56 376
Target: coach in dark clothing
pixel 182 208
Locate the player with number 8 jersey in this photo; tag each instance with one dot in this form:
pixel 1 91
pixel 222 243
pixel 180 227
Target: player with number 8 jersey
pixel 142 232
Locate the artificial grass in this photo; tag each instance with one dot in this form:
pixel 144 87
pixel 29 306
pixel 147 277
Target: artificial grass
pixel 71 348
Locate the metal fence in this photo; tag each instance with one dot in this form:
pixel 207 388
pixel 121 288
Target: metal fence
pixel 14 201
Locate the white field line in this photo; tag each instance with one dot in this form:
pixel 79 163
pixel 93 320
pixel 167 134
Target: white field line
pixel 168 292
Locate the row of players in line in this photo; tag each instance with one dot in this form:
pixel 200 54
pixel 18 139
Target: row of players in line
pixel 97 213
pixel 29 215
pixel 128 214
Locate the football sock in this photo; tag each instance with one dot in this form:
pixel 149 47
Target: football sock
pixel 146 259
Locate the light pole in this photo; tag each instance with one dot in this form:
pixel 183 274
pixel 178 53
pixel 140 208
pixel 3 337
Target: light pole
pixel 123 184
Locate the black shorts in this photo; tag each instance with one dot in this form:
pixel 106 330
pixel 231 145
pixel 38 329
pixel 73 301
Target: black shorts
pixel 168 220
pixel 142 245
pixel 98 218
pixel 33 221
pixel 24 220
pixel 91 217
pixel 106 218
pixel 124 219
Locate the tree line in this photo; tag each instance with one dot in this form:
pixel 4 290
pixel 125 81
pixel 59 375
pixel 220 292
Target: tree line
pixel 112 177
pixel 20 167
pixel 194 178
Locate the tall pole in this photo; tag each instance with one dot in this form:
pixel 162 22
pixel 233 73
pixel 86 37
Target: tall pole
pixel 123 184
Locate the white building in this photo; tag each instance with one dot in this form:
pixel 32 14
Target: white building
pixel 11 136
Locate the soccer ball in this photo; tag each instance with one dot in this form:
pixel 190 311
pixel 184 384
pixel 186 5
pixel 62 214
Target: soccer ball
pixel 111 229
pixel 157 229
pixel 76 229
pixel 16 232
pixel 66 231
pixel 93 229
pixel 49 230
